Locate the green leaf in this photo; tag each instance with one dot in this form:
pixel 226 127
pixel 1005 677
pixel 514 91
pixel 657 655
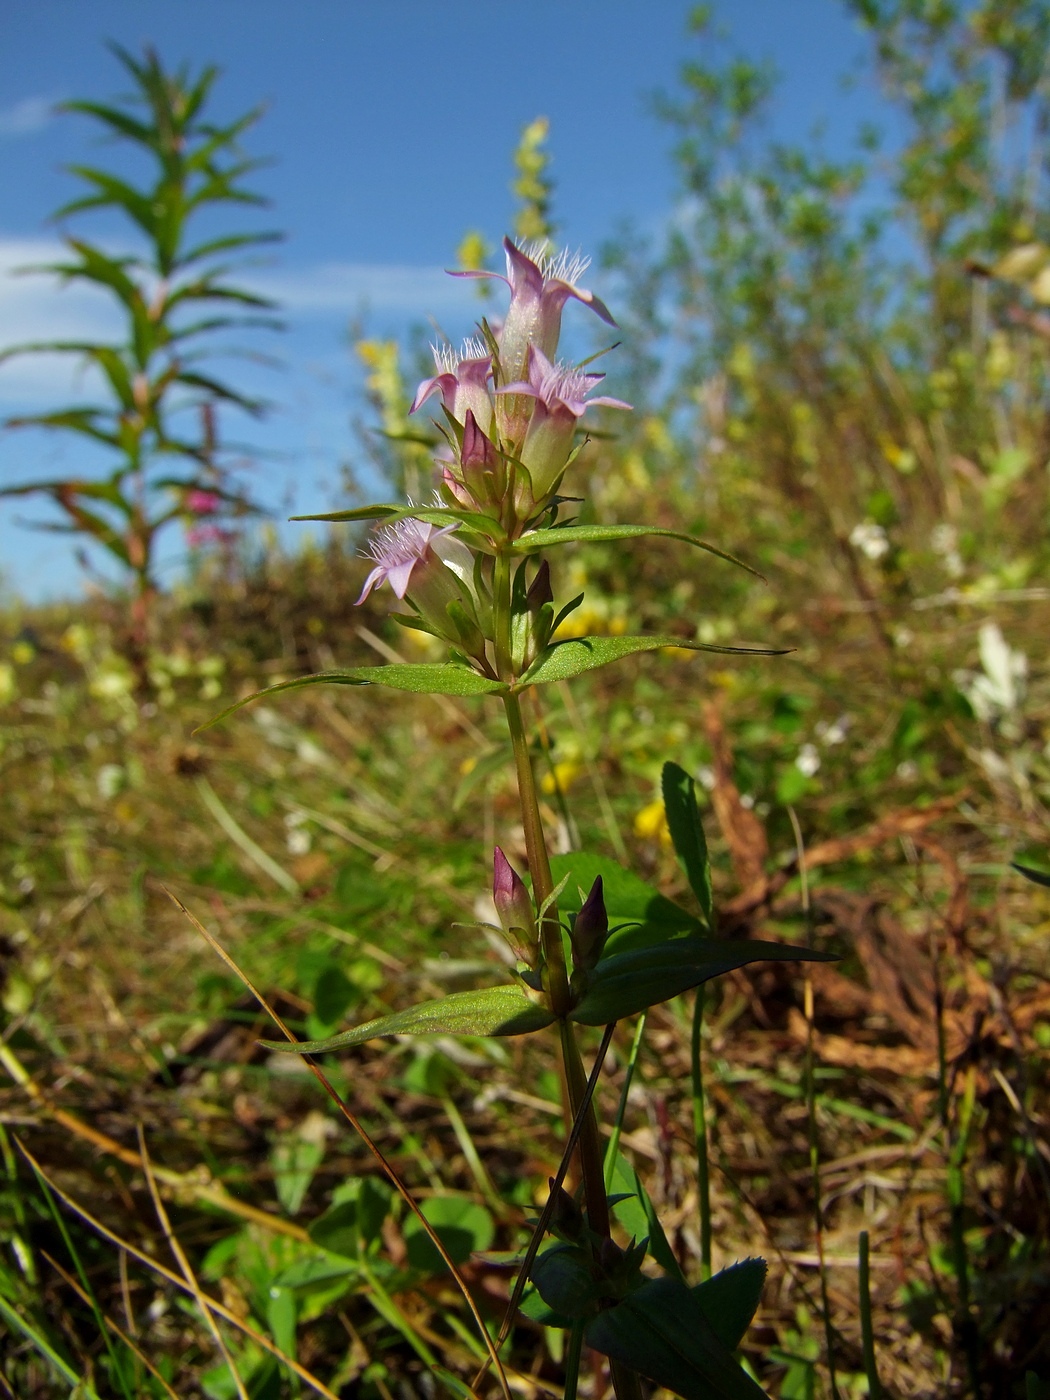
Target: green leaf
pixel 564 1281
pixel 662 1331
pixel 463 1226
pixel 569 534
pixel 730 1299
pixel 569 658
pixel 439 678
pixel 687 834
pixel 295 1159
pixel 1037 877
pixel 533 1306
pixel 630 982
pixel 628 899
pixel 434 515
pixel 502 1010
pixel 354 1218
pixel 637 1214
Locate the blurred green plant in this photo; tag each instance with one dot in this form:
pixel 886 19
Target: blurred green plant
pixel 156 422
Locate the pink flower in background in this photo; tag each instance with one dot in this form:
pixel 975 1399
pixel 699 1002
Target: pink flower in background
pixel 202 502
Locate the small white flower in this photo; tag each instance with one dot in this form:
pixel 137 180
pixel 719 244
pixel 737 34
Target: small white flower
pixel 1001 688
pixel 808 760
pixel 109 780
pixel 834 733
pixel 298 842
pixel 907 770
pixel 870 539
pixel 705 776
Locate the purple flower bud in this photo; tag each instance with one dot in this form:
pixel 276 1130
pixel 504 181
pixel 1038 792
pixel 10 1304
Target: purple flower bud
pixel 590 929
pixel 566 1216
pixel 540 590
pixel 514 908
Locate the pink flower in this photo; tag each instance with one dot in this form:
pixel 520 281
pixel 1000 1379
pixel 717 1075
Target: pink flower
pixel 560 399
pixel 540 286
pixel 434 572
pixel 399 549
pixel 462 381
pixel 202 502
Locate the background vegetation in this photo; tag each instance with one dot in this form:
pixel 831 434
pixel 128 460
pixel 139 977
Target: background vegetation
pixel 839 372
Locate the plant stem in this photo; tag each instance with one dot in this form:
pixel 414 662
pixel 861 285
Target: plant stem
pixel 625 1382
pixel 539 862
pixel 866 1331
pixel 703 1184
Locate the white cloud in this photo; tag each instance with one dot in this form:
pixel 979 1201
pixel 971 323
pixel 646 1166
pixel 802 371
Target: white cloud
pixel 339 288
pixel 29 115
pixel 36 307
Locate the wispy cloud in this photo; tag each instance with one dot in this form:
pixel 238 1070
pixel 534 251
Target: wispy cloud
pixel 25 117
pixel 339 288
pixel 36 308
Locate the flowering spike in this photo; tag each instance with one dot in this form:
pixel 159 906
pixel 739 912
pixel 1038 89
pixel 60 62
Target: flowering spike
pixel 590 930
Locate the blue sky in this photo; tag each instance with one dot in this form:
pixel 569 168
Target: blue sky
pixel 391 127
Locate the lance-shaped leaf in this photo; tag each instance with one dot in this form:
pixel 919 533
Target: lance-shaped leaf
pixel 433 515
pixel 501 1011
pixel 687 834
pixel 730 1299
pixel 662 1331
pixel 562 660
pixel 649 917
pixel 438 678
pixel 631 982
pixel 570 534
pixel 639 1218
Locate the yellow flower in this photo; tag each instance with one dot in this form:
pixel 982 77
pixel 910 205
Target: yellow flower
pixel 562 778
pixel 650 824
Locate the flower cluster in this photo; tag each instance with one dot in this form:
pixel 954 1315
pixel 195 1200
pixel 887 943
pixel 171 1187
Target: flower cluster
pixel 511 412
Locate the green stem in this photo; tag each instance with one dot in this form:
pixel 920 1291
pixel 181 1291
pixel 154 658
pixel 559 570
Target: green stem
pixel 703 1182
pixel 625 1382
pixel 613 1145
pixel 539 861
pixel 572 1360
pixel 867 1332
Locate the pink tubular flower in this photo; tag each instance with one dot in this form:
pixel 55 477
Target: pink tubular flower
pixel 560 395
pixel 399 549
pixel 462 381
pixel 422 563
pixel 539 288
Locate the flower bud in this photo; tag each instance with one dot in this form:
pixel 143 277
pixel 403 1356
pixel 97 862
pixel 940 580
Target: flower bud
pixel 514 908
pixel 566 1216
pixel 590 929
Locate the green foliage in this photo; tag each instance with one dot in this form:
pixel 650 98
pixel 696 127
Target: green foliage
pixel 626 983
pixel 687 834
pixel 173 298
pixel 493 1011
pixel 662 1330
